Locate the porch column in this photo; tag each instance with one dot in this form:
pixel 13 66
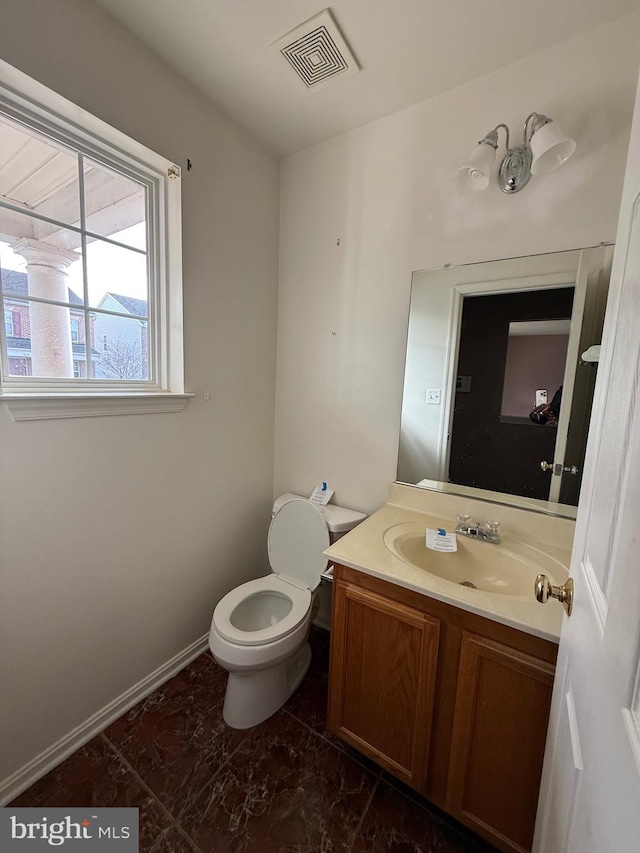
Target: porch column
pixel 51 351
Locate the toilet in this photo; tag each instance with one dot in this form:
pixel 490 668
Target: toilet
pixel 259 630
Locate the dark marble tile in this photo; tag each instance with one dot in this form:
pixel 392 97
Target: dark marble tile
pixel 203 675
pixel 96 776
pixel 395 823
pixel 285 789
pixel 438 814
pixel 174 842
pixel 176 739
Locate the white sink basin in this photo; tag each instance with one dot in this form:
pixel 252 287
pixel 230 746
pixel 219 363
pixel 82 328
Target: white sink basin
pixel 509 568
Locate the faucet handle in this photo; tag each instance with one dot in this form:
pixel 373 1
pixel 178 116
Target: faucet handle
pixel 492 531
pixel 464 520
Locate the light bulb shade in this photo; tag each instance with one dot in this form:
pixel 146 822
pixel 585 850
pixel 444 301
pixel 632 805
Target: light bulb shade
pixel 476 172
pixel 550 149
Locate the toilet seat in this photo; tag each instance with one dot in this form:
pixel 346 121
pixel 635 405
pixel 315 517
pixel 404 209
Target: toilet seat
pixel 271 584
pixel 298 534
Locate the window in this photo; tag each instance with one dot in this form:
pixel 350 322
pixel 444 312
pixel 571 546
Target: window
pixel 90 251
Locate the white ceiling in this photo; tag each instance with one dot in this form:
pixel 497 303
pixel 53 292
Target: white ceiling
pixel 409 50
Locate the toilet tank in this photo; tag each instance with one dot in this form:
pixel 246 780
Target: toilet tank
pixel 339 519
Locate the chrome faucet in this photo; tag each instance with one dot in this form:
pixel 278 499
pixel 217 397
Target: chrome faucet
pixel 488 532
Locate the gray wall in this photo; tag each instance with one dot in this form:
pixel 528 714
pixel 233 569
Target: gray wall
pixel 118 535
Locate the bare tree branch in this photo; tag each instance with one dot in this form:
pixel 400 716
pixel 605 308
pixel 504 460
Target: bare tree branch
pixel 122 360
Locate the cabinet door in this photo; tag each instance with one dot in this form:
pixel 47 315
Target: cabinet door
pixel 383 668
pixel 499 731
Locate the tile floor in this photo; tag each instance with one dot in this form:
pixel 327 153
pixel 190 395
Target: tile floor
pixel 286 785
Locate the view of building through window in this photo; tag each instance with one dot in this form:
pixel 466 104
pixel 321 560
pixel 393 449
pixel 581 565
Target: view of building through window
pixel 73 263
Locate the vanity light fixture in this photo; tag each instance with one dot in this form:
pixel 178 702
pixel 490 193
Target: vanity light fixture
pixel 544 148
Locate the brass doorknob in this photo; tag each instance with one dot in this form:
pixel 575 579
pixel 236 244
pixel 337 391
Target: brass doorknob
pixel 564 594
pixel 546 466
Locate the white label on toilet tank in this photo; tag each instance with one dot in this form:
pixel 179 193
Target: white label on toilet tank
pixel 321 495
pixel 440 540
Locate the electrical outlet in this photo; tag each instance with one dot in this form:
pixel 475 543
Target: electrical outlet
pixel 433 396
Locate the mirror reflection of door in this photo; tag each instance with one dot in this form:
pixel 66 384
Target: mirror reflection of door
pixel 425 456
pixel 511 345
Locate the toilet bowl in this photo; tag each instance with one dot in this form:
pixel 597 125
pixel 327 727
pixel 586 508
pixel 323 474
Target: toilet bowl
pixel 259 630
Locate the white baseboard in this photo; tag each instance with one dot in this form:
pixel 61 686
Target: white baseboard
pixel 39 766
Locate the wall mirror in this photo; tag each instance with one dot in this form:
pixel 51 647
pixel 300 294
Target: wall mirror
pixel 487 344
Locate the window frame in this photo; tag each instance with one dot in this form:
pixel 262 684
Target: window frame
pixel 33 104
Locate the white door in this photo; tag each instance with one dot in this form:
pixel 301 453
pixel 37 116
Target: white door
pixel 592 262
pixel 590 795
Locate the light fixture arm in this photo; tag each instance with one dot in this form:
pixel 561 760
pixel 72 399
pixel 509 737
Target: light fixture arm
pixel 549 150
pixel 506 129
pixel 537 120
pixel 491 138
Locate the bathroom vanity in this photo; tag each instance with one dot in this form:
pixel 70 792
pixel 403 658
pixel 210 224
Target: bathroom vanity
pixel 443 685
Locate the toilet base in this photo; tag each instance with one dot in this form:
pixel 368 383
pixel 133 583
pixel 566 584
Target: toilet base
pixel 255 695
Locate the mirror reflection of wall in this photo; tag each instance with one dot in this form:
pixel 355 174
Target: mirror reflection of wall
pixel 536 356
pixel 526 349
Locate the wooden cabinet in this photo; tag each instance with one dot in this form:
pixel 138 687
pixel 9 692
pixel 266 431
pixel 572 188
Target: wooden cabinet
pixel 453 704
pixel 386 669
pixel 499 732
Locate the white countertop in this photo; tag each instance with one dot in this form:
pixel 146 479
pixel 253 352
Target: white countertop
pixel 363 549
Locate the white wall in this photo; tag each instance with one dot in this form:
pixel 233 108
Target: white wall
pixel 387 192
pixel 427 361
pixel 118 535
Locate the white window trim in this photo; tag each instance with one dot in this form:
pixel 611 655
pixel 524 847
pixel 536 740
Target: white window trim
pixel 24 407
pixel 63 399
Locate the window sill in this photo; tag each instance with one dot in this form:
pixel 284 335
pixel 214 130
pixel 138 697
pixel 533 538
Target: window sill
pixel 40 407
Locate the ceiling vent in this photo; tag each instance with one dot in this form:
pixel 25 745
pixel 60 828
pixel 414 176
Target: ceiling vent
pixel 317 52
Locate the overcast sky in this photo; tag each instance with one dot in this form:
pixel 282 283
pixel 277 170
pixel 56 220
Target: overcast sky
pixel 109 268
